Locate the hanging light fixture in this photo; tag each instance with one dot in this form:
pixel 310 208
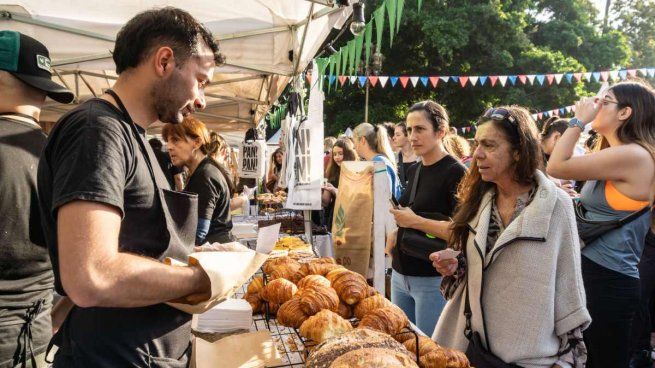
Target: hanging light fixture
pixel 330 50
pixel 358 22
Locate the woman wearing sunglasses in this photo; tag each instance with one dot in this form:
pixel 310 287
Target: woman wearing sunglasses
pixel 620 177
pixel 518 277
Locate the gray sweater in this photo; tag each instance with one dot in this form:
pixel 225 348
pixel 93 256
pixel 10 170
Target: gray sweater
pixel 533 291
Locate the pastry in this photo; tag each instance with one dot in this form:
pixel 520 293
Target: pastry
pixel 390 320
pixel 370 304
pixel 317 269
pixel 279 291
pixel 310 280
pixel 425 345
pixel 285 271
pixel 256 285
pixel 271 264
pixel 351 287
pixel 435 359
pixel 344 311
pixel 374 358
pixel 317 298
pixel 323 325
pixel 290 314
pixel 456 359
pixel 334 274
pixel 255 302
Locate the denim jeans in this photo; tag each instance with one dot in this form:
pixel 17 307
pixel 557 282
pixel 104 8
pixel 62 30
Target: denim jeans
pixel 420 298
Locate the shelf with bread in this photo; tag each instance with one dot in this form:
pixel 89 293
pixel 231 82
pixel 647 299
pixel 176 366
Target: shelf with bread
pixel 328 305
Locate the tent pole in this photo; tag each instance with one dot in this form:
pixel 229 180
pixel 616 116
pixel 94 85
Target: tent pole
pixel 58 27
pixel 296 58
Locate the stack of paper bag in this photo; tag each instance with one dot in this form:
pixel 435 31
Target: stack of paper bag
pixel 230 315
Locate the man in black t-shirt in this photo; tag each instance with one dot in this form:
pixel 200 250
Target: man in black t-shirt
pixel 108 214
pixel 26 280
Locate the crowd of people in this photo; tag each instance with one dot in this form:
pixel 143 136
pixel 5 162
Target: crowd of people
pixel 521 247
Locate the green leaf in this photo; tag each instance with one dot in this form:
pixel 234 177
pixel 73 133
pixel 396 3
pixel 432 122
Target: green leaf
pixel 340 221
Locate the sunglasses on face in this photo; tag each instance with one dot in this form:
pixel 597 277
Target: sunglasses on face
pixel 499 115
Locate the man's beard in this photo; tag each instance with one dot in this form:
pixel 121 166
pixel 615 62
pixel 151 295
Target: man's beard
pixel 167 101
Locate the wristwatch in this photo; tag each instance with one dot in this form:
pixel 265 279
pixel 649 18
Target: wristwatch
pixel 575 122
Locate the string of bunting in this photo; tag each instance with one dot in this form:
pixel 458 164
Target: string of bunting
pixel 490 80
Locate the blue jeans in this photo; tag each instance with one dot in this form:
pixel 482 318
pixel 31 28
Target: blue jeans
pixel 420 298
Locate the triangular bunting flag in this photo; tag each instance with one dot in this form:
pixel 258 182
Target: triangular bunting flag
pixel 562 111
pixel 424 80
pixel 596 76
pixel 540 115
pixel 614 75
pixel 483 80
pixel 463 80
pixel 568 109
pixel 623 74
pixel 632 72
pixel 523 78
pixel 558 78
pixel 540 79
pixel 368 41
pixel 445 79
pixel 493 79
pixel 392 12
pixel 569 77
pixel 512 79
pixel 577 76
pixel 643 72
pixel 353 79
pixel 378 16
pixel 383 81
pixel 403 81
pixel 463 130
pixel 651 72
pixel 546 114
pixel 434 81
pixel 399 12
pixel 414 81
pixel 373 79
pixel 454 78
pixel 534 116
pixel 531 78
pixel 362 80
pixel 502 79
pixel 555 112
pixel 573 108
pixel 587 76
pixel 420 3
pixel 604 76
pixel 342 80
pixel 474 80
pixel 332 79
pixel 550 78
pixel 394 80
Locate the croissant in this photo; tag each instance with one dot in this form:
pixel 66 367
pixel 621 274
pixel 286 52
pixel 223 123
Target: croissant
pixel 372 291
pixel 436 359
pixel 390 320
pixel 272 308
pixel 279 291
pixel 323 325
pixel 456 359
pixel 255 302
pixel 374 358
pixel 351 287
pixel 310 280
pixel 370 304
pixel 344 311
pixel 256 285
pixel 324 260
pixel 336 273
pixel 290 314
pixel 425 345
pixel 271 264
pixel 285 271
pixel 403 336
pixel 317 269
pixel 316 298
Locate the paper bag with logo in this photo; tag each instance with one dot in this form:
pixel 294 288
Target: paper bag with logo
pixel 252 159
pixel 353 216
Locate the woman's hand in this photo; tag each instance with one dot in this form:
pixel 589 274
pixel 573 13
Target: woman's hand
pixel 405 217
pixel 445 267
pixel 586 109
pixel 330 188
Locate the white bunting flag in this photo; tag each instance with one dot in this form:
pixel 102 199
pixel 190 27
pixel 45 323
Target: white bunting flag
pixel 502 79
pixel 558 77
pixel 383 81
pixel 414 81
pixel 474 80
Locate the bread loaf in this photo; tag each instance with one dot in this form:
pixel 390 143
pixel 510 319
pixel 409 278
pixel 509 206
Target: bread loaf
pixel 351 287
pixel 317 298
pixel 370 304
pixel 255 302
pixel 290 314
pixel 256 285
pixel 325 353
pixel 310 280
pixel 374 358
pixel 323 325
pixel 425 345
pixel 344 311
pixel 390 320
pixel 279 291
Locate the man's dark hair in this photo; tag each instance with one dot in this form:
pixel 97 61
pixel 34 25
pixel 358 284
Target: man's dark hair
pixel 390 127
pixel 152 29
pixel 554 124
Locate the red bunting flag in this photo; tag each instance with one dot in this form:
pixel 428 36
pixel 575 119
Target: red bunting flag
pixel 463 80
pixel 577 76
pixel 493 79
pixel 632 72
pixel 540 115
pixel 523 78
pixel 554 112
pixel 604 76
pixel 403 81
pixel 434 81
pixel 550 78
pixel 342 80
pixel 373 79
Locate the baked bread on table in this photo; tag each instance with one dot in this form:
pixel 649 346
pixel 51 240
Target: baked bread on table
pixel 323 325
pixel 285 271
pixel 344 311
pixel 444 358
pixel 317 298
pixel 290 314
pixel 332 275
pixel 390 320
pixel 256 285
pixel 324 354
pixel 351 287
pixel 425 345
pixel 279 291
pixel 270 265
pixel 255 302
pixel 370 304
pixel 311 280
pixel 374 358
pixel 315 268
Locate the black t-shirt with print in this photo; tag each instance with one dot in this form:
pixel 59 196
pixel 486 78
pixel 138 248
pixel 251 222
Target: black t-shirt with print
pixel 213 198
pixel 435 192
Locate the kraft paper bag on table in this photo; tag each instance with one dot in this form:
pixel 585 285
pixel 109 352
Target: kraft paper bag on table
pixel 249 350
pixel 353 216
pixel 228 271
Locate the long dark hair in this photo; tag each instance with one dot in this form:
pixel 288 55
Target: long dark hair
pixel 523 137
pixel 333 171
pixel 274 161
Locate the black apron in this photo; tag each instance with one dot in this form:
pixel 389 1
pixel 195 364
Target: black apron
pixel 153 336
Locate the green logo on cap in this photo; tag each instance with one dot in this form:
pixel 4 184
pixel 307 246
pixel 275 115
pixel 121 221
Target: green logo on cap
pixel 43 62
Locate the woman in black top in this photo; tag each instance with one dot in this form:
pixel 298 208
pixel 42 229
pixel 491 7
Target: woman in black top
pixel 414 282
pixel 189 145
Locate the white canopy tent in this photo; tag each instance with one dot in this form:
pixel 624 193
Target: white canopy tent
pixel 265 42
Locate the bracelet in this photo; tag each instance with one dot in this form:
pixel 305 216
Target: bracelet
pixel 575 122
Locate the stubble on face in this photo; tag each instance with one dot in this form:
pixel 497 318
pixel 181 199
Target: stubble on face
pixel 168 98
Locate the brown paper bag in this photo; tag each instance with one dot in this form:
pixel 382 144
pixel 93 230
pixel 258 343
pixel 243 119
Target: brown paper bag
pixel 227 272
pixel 249 350
pixel 353 217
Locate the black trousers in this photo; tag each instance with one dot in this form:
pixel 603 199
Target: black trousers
pixel 612 300
pixel 642 323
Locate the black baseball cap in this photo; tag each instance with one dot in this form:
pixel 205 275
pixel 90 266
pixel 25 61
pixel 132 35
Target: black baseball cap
pixel 29 60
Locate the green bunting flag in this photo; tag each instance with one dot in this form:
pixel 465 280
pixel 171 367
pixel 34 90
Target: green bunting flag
pixel 391 10
pixel 338 62
pixel 379 26
pixel 420 3
pixel 332 62
pixel 400 6
pixel 368 34
pixel 344 59
pixel 351 56
pixel 359 41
